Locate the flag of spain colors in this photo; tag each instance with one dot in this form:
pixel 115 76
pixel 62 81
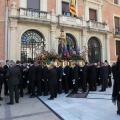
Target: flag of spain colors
pixel 72 8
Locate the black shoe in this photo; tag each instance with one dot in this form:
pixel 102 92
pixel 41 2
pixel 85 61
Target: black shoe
pixel 66 92
pixel 55 96
pixel 32 96
pixel 17 101
pixel 50 98
pixel 10 103
pixel 1 99
pixel 118 112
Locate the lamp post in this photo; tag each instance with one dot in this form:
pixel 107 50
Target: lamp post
pixel 6 31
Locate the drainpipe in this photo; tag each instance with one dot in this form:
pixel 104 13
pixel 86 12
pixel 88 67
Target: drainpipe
pixel 6 32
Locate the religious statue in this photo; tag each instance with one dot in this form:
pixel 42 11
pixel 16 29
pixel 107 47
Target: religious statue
pixel 62 46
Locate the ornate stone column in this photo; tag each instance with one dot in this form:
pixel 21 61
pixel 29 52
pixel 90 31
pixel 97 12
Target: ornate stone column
pixel 12 40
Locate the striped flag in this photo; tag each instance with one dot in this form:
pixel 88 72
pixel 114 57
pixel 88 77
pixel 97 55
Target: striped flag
pixel 72 8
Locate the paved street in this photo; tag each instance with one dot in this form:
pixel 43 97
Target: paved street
pixel 27 109
pixel 97 106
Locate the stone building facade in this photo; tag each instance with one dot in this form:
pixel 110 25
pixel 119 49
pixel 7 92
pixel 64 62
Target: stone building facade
pixel 33 27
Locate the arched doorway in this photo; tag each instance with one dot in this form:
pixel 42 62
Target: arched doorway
pixel 32 43
pixel 71 43
pixel 94 50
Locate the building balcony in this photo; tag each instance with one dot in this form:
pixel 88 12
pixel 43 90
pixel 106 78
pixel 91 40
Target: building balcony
pixel 31 14
pixel 97 25
pixel 70 21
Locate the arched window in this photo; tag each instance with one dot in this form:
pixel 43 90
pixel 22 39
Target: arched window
pixel 94 50
pixel 71 43
pixel 32 43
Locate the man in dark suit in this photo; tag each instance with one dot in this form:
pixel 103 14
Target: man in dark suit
pixel 66 73
pixel 39 78
pixel 103 77
pixel 75 77
pixel 5 79
pixel 59 77
pixel 84 77
pixel 21 79
pixel 32 77
pixel 92 75
pixel 13 75
pixel 45 78
pixel 52 81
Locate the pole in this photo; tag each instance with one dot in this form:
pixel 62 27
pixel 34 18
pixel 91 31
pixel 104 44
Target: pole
pixel 6 31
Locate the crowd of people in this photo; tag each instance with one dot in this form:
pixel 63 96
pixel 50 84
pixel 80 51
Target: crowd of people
pixel 40 79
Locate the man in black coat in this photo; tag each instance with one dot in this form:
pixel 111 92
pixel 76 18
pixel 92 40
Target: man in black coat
pixel 66 74
pixel 52 81
pixel 75 77
pixel 84 77
pixel 39 78
pixel 13 75
pixel 45 78
pixel 59 77
pixel 92 74
pixel 32 78
pixel 103 77
pixel 21 79
pixel 5 79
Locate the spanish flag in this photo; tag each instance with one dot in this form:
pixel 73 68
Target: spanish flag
pixel 72 8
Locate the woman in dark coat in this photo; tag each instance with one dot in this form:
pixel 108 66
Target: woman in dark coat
pixel 116 87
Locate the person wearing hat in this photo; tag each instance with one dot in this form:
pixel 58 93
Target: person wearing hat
pixel 13 75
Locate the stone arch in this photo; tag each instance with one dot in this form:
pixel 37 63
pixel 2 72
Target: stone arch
pixel 94 49
pixel 32 44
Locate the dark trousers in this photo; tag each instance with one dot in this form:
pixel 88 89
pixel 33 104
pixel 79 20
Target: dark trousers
pixel 109 81
pixel 32 86
pixel 45 87
pixel 59 86
pixel 39 87
pixel 21 88
pixel 118 106
pixel 75 86
pixel 53 90
pixel 104 84
pixel 92 83
pixel 13 88
pixel 5 87
pixel 66 83
pixel 84 84
pixel 0 88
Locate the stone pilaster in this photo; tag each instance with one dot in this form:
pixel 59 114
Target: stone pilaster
pixel 53 40
pixel 13 40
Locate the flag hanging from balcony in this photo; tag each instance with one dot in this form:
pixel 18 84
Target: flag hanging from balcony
pixel 72 8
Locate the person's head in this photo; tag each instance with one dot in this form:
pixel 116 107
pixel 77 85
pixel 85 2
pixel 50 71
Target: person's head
pixel 74 63
pixel 17 62
pixel 118 58
pixel 52 65
pixel 7 62
pixel 95 64
pixel 98 64
pixel 12 63
pixel 44 63
pixel 58 63
pixel 65 63
pixel 103 64
pixel 83 63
